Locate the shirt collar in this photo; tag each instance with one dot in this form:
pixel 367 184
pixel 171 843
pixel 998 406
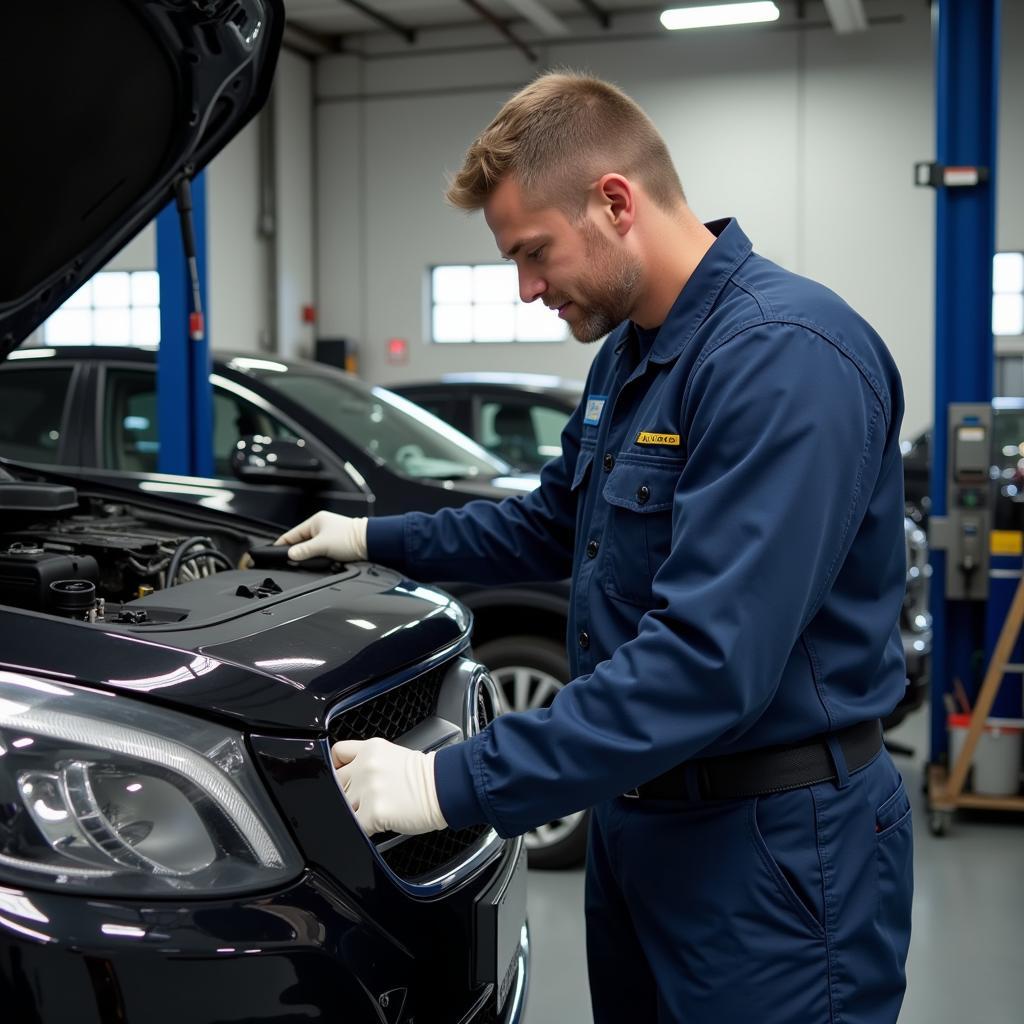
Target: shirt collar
pixel 730 248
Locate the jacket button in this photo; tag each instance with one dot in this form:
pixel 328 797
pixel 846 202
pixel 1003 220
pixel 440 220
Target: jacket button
pixel 592 549
pixel 584 640
pixel 609 461
pixel 643 494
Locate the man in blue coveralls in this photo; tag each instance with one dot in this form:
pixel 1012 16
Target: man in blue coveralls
pixel 729 503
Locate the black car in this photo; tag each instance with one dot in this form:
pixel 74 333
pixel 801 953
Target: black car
pixel 173 844
pixel 517 416
pixel 917 457
pixel 289 438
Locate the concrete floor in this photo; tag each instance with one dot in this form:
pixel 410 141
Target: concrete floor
pixel 966 961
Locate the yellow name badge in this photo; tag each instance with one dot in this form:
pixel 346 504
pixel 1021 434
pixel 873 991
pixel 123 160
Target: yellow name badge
pixel 646 437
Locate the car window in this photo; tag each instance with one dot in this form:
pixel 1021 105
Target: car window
pixel 391 429
pixel 33 410
pixel 439 407
pixel 235 417
pixel 525 435
pixel 548 425
pixel 131 439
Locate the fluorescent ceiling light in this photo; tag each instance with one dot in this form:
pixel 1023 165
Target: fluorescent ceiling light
pixel 719 14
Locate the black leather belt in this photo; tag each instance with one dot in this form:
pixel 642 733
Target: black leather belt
pixel 768 770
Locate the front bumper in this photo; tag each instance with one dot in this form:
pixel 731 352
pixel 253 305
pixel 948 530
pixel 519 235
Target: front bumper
pixel 306 954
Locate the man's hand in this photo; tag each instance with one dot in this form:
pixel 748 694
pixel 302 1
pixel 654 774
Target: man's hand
pixel 390 788
pixel 327 535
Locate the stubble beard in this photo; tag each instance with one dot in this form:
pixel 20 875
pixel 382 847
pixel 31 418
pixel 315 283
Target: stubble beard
pixel 609 290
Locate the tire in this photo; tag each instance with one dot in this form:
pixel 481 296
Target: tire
pixel 529 671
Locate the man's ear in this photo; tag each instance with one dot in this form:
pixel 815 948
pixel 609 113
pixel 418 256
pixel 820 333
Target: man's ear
pixel 617 198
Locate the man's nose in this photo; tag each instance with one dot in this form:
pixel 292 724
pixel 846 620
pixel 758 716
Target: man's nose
pixel 531 287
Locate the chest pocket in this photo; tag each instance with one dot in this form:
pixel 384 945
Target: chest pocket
pixel 584 461
pixel 638 534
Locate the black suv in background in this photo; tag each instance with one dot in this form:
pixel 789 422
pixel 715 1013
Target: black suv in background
pixel 516 416
pixel 289 438
pixel 173 844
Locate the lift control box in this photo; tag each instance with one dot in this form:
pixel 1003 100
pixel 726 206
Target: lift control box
pixel 964 531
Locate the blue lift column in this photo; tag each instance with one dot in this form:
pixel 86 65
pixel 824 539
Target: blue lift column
pixel 967 90
pixel 184 397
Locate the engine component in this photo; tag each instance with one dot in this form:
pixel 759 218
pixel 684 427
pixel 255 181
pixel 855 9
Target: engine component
pixel 74 599
pixel 27 572
pixel 24 501
pixel 268 588
pixel 125 556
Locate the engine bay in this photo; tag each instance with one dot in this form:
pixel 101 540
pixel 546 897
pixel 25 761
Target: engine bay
pixel 100 561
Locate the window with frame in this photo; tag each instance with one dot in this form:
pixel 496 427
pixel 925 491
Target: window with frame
pixel 114 307
pixel 1008 294
pixel 33 400
pixel 131 438
pixel 1008 322
pixel 481 303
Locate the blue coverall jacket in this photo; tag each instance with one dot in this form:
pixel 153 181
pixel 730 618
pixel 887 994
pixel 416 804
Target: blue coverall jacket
pixel 729 505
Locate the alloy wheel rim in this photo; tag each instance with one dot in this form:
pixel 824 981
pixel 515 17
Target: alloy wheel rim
pixel 525 688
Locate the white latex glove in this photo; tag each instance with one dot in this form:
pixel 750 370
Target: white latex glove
pixel 329 535
pixel 389 788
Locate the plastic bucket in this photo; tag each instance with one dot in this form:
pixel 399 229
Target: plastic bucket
pixel 997 757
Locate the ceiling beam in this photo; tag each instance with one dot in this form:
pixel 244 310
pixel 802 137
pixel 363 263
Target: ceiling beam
pixel 847 15
pixel 408 34
pixel 604 19
pixel 312 44
pixel 493 19
pixel 540 17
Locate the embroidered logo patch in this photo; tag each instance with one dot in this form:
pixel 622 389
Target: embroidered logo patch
pixel 595 406
pixel 646 437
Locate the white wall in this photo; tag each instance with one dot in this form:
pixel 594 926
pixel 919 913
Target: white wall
pixel 237 254
pixel 809 138
pixel 1010 208
pixel 294 179
pixel 261 272
pixel 138 254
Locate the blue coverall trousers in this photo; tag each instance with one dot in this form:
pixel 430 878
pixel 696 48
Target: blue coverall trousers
pixel 792 908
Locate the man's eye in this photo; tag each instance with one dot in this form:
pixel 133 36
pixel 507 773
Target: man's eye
pixel 536 254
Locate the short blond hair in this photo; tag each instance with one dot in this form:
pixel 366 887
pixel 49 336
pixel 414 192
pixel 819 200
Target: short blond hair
pixel 559 135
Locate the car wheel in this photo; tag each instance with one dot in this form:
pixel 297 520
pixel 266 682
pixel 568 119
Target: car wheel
pixel 529 671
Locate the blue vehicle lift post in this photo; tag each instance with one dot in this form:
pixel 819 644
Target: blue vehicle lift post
pixel 967 90
pixel 184 397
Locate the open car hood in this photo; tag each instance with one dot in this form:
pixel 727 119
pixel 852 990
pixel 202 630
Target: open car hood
pixel 105 106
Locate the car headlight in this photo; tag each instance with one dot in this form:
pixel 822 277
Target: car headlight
pixel 106 794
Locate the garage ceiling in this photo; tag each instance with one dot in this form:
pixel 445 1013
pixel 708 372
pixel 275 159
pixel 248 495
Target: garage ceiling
pixel 340 17
pixel 325 25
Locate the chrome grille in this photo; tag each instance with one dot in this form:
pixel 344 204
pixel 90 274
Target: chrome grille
pixel 487 1015
pixel 486 712
pixel 424 857
pixel 394 712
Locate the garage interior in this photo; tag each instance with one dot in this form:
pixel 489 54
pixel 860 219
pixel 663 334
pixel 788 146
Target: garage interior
pixel 322 234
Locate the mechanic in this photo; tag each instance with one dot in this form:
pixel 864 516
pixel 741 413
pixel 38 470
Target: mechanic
pixel 729 503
